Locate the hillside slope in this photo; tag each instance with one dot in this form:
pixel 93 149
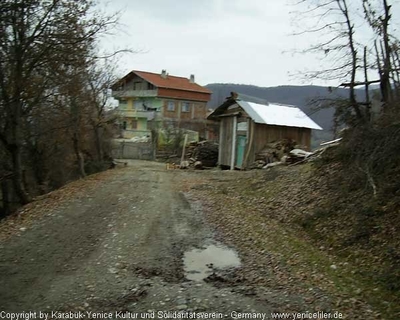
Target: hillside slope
pixel 301 232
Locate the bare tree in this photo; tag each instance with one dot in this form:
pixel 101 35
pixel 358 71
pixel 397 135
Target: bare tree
pixel 333 21
pixel 349 29
pixel 336 20
pixel 386 54
pixel 369 149
pixel 36 38
pixel 100 77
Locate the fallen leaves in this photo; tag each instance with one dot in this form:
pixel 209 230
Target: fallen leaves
pixel 259 213
pixel 46 205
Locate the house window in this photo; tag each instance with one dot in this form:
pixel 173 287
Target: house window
pixel 185 106
pixel 123 104
pixel 124 125
pixel 134 124
pixel 171 106
pixel 138 104
pixel 138 85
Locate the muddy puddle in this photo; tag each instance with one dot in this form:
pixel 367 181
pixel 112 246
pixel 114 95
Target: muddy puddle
pixel 200 263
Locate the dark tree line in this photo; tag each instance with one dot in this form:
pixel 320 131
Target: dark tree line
pixel 54 121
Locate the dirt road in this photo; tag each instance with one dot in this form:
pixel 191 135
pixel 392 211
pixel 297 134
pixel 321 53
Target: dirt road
pixel 117 246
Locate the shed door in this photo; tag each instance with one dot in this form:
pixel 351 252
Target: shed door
pixel 240 147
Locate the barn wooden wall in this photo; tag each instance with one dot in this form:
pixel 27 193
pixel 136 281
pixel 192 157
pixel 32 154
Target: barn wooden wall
pixel 266 133
pixel 263 134
pixel 226 139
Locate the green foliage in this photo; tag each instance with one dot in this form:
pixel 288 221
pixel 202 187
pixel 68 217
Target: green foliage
pixel 171 137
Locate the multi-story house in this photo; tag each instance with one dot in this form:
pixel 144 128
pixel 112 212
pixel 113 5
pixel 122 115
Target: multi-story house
pixel 150 100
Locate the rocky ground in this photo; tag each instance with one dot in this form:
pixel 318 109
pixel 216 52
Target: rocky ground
pixel 116 241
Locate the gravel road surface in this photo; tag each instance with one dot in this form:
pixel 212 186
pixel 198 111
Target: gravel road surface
pixel 117 246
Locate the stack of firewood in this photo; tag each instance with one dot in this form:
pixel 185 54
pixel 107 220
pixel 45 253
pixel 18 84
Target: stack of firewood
pixel 203 154
pixel 280 152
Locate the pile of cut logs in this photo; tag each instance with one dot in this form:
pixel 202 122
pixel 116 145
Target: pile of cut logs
pixel 202 154
pixel 281 152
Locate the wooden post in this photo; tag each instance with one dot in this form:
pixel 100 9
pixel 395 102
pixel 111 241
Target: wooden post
pixel 220 148
pixel 154 143
pixel 183 149
pixel 249 142
pixel 233 142
pixel 122 149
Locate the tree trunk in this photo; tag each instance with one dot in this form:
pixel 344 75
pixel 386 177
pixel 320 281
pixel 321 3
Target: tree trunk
pixel 5 191
pixel 386 88
pixel 39 167
pixel 18 175
pixel 14 146
pixel 367 98
pixel 99 145
pixel 79 157
pixel 354 60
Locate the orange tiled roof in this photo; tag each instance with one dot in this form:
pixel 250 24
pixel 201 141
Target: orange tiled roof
pixel 170 82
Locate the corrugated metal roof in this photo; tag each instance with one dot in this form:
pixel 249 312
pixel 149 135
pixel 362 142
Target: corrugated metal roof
pixel 280 115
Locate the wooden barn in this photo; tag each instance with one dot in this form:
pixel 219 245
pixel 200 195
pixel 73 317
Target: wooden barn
pixel 247 127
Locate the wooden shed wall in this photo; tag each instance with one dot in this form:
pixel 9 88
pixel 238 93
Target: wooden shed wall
pixel 226 140
pixel 264 134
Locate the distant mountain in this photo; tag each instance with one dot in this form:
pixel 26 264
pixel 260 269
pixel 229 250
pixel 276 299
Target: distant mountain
pixel 300 96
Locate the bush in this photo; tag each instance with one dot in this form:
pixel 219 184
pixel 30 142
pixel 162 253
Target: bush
pixel 370 159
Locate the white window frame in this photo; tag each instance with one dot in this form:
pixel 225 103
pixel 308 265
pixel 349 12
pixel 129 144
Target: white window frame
pixel 171 106
pixel 185 105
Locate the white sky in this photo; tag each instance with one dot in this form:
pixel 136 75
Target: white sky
pixel 226 41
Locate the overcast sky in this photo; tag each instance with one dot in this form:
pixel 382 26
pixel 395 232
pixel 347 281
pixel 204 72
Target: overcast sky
pixel 226 41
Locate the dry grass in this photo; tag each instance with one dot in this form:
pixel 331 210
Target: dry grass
pixel 303 233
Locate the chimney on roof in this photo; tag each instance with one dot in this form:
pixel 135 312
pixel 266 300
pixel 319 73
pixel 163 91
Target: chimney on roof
pixel 164 74
pixel 191 78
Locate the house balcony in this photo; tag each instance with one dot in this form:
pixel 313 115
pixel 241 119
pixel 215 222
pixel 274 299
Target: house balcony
pixel 149 115
pixel 131 133
pixel 134 93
